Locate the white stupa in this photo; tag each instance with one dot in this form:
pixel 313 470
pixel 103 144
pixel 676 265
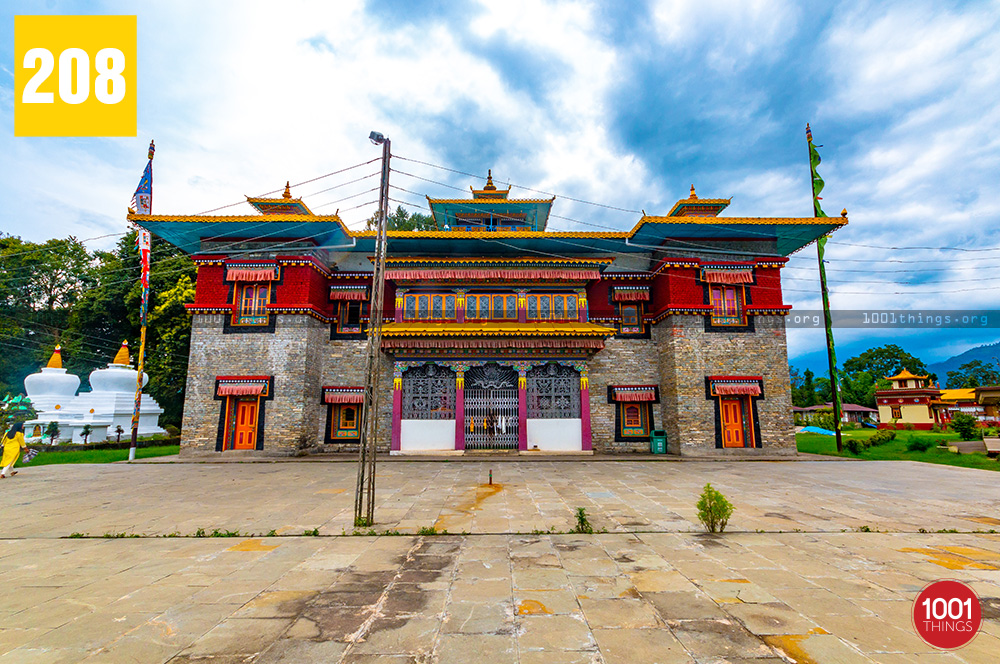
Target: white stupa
pixel 108 405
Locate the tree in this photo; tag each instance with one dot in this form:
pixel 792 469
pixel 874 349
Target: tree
pixel 805 394
pixel 52 431
pixel 975 374
pixel 402 220
pixel 885 361
pixel 118 433
pixel 85 432
pixel 167 359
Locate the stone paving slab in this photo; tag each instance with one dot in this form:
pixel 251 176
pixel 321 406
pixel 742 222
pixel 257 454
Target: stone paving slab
pixel 628 496
pixel 659 591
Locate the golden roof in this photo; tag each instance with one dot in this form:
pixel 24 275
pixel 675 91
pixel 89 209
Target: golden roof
pixel 122 356
pixel 496 329
pixel 55 362
pixel 903 375
pixel 962 394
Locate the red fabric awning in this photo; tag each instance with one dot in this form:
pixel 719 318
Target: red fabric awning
pixel 343 397
pixel 240 389
pixel 635 394
pixel 251 274
pixel 630 295
pixel 527 273
pixel 743 276
pixel 353 294
pixel 730 389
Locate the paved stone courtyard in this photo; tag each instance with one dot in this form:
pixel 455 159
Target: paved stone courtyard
pixel 821 562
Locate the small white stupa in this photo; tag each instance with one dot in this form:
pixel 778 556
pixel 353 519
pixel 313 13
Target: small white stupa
pixel 108 405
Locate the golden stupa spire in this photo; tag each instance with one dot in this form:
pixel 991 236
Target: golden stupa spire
pixel 55 362
pixel 489 181
pixel 288 189
pixel 693 195
pixel 122 356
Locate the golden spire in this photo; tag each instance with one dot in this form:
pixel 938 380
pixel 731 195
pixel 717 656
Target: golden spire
pixel 693 195
pixel 122 356
pixel 288 190
pixel 489 181
pixel 55 362
pixel 843 213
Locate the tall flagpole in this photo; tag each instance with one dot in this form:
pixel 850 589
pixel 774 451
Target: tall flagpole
pixel 831 354
pixel 143 242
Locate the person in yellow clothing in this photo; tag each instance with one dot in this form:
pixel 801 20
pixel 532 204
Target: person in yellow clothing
pixel 13 443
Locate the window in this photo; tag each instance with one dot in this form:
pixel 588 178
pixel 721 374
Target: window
pixel 553 392
pixel 349 318
pixel 252 304
pixel 552 307
pixel 345 420
pixel 490 307
pixel 896 413
pixel 429 306
pixel 428 393
pixel 631 319
pixel 726 304
pixel 634 419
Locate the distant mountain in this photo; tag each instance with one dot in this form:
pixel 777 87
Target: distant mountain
pixel 984 354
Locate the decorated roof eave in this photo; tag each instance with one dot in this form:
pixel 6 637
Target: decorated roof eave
pixel 475 202
pixel 255 200
pixel 485 259
pixel 721 203
pixel 464 330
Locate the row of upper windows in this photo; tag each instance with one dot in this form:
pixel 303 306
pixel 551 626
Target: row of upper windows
pixel 726 302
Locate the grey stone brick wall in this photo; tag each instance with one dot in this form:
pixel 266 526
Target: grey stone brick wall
pixel 687 354
pixel 622 362
pixel 343 363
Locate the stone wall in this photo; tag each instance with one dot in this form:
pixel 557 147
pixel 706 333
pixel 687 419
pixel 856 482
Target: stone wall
pixel 622 362
pixel 343 364
pixel 292 354
pixel 687 354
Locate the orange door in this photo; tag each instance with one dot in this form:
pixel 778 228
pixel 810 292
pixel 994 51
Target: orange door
pixel 245 432
pixel 732 423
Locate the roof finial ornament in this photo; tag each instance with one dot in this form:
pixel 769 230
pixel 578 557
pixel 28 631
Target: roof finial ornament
pixel 288 190
pixel 122 356
pixel 693 195
pixel 489 181
pixel 843 213
pixel 55 362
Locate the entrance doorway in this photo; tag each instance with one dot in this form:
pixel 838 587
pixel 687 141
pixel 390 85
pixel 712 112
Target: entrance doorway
pixel 491 417
pixel 733 423
pixel 243 432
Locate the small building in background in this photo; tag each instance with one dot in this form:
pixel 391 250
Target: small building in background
pixel 912 400
pixel 849 412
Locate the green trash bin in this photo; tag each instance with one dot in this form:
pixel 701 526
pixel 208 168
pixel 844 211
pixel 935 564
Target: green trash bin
pixel 658 442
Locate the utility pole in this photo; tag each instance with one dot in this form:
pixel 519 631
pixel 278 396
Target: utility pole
pixel 143 199
pixel 831 354
pixel 364 493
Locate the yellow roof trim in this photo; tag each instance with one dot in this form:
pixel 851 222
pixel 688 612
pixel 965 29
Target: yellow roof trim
pixel 525 259
pixel 496 329
pixel 699 201
pixel 489 201
pixel 279 201
pixel 903 375
pixel 959 394
pixel 728 221
pixel 307 218
pixel 439 235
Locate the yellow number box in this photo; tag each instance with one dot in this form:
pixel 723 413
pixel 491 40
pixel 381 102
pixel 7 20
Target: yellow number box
pixel 75 76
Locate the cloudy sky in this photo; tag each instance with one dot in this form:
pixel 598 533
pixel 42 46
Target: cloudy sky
pixel 621 104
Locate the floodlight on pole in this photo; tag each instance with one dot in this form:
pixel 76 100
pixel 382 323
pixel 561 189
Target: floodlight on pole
pixel 364 494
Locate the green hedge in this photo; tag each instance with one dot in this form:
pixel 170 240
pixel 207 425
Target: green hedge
pixel 124 445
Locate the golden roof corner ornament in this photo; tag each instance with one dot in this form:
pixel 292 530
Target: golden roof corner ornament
pixel 693 195
pixel 288 190
pixel 843 213
pixel 489 181
pixel 55 362
pixel 122 356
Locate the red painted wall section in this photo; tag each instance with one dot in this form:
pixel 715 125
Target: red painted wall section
pixel 597 299
pixel 211 288
pixel 767 291
pixel 302 286
pixel 389 300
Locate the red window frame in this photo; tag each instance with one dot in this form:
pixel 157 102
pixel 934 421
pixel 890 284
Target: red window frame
pixel 727 305
pixel 251 303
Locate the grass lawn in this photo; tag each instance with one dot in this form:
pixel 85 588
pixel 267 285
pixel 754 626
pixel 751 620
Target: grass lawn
pixel 97 456
pixel 815 443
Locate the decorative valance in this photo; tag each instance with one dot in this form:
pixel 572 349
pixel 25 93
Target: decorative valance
pixel 494 343
pixel 251 272
pixel 714 275
pixel 724 386
pixel 630 294
pixel 497 273
pixel 238 386
pixel 634 393
pixel 333 394
pixel 352 293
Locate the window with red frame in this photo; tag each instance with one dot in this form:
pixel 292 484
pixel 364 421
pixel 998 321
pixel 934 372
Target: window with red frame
pixel 251 303
pixel 727 305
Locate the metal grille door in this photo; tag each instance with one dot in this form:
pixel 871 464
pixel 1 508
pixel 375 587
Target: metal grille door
pixel 491 408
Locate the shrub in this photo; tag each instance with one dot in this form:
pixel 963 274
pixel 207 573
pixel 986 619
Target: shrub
pixel 964 425
pixel 881 437
pixel 909 427
pixel 854 446
pixel 713 509
pixel 935 429
pixel 849 426
pixel 919 444
pixel 172 431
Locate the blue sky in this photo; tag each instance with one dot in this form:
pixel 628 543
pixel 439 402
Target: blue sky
pixel 625 104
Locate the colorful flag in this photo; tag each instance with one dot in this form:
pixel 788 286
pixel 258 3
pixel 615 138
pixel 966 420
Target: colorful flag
pixel 817 181
pixel 142 200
